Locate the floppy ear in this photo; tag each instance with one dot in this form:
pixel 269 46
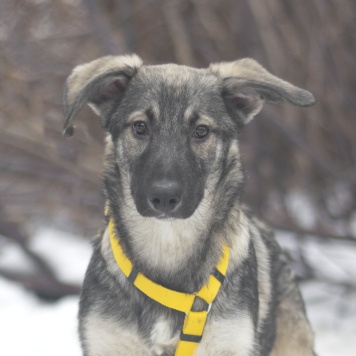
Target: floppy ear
pixel 99 83
pixel 247 85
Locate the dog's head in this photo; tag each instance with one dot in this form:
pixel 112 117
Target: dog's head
pixel 173 128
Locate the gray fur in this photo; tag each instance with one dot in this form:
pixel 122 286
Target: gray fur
pixel 180 247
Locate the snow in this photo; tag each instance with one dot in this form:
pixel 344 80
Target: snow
pixel 301 208
pixel 32 327
pixel 28 325
pixel 67 255
pixel 14 259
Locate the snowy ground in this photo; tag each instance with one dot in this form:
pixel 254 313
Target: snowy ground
pixel 31 327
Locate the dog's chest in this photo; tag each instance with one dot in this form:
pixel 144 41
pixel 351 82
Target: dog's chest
pixel 220 337
pixel 162 338
pixel 109 338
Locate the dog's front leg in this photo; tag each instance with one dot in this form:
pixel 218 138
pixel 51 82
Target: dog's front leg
pixel 228 337
pixel 103 336
pixel 294 336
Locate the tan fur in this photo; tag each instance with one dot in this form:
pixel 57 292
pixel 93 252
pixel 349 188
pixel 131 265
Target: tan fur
pixel 294 335
pixel 264 277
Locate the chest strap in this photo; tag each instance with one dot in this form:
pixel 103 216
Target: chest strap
pixel 194 322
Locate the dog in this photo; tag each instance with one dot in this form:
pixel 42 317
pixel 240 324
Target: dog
pixel 173 182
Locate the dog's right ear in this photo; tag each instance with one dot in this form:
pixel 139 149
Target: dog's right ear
pixel 99 83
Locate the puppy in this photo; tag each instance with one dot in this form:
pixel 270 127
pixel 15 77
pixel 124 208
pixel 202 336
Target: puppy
pixel 173 182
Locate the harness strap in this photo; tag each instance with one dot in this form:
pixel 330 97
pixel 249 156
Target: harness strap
pixel 194 322
pixel 171 299
pixel 192 332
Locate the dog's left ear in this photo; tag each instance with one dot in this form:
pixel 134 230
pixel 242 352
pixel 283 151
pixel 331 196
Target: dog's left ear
pixel 99 83
pixel 247 85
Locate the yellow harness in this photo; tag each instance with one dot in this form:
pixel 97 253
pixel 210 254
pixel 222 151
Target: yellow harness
pixel 194 322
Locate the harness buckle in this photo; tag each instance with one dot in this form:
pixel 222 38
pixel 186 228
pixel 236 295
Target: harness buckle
pixel 207 309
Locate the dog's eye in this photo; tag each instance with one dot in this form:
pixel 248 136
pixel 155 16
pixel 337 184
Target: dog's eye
pixel 140 128
pixel 201 131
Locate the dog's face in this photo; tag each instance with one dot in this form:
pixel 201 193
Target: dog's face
pixel 167 131
pixel 173 126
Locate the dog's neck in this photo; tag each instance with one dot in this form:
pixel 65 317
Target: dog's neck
pixel 179 254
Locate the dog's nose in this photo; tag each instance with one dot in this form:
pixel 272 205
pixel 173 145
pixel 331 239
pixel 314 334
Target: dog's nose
pixel 165 196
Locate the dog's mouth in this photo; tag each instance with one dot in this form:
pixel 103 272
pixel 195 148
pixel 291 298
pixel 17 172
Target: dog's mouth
pixel 166 218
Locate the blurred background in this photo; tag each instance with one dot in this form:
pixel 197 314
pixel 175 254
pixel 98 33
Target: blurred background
pixel 299 163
